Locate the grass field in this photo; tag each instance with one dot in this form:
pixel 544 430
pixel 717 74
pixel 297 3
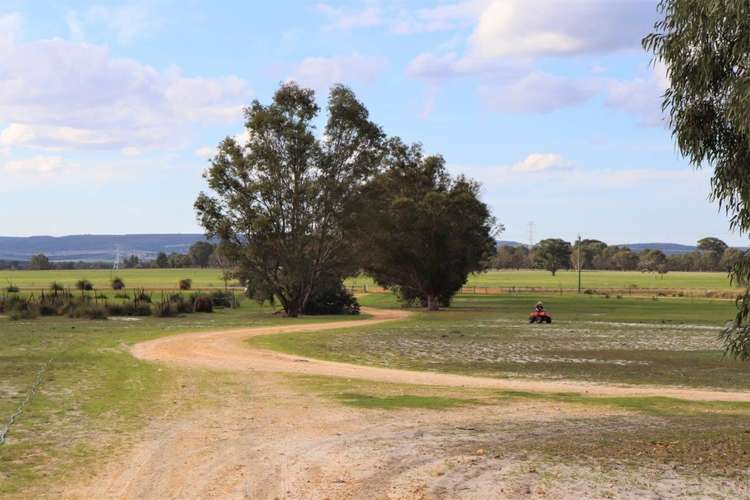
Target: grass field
pixel 628 340
pixel 168 278
pixel 590 279
pixel 101 278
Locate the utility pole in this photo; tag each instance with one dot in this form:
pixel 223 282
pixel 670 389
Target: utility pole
pixel 531 235
pixel 578 261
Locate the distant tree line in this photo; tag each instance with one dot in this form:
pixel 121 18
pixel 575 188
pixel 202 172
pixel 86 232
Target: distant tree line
pixel 201 254
pixel 711 254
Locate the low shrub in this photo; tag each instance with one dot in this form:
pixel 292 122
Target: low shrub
pixel 84 285
pixel 186 284
pixel 333 299
pixel 22 309
pixel 12 289
pixel 129 309
pixel 165 309
pixel 122 296
pixel 181 304
pixel 118 283
pixel 222 298
pixel 142 296
pixel 203 304
pixel 56 287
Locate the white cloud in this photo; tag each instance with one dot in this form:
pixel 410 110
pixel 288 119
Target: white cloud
pixel 450 16
pixel 433 67
pixel 641 97
pixel 206 152
pixel 537 92
pixel 551 173
pixel 75 25
pixel 560 27
pixel 37 166
pixel 10 28
pixel 348 19
pixel 127 22
pixel 61 94
pixel 209 152
pixel 322 72
pixel 539 162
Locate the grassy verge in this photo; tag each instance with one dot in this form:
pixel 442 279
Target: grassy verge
pixel 94 392
pixel 636 341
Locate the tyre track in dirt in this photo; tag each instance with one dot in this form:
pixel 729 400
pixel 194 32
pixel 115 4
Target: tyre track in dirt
pixel 226 350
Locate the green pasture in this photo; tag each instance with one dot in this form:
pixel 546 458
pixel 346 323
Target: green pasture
pixel 102 278
pixel 589 279
pixel 629 340
pixel 169 278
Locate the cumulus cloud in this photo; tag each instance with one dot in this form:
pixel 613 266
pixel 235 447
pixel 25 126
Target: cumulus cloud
pixel 57 94
pixel 551 172
pixel 399 19
pixel 443 17
pixel 537 92
pixel 641 97
pixel 126 22
pixel 322 72
pixel 539 162
pixel 10 28
pixel 560 27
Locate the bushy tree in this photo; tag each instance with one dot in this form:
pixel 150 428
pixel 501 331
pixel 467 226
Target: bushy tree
pixel 511 257
pixel 131 262
pixel 162 261
pixel 704 44
pixel 178 260
pixel 730 258
pixel 552 254
pixel 423 231
pixel 651 260
pixel 282 201
pixel 40 262
pixel 200 253
pixel 710 244
pixel 590 250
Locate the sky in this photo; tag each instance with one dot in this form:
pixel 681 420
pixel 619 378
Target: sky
pixel 110 111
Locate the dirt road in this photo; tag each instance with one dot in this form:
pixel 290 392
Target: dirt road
pixel 225 350
pixel 264 439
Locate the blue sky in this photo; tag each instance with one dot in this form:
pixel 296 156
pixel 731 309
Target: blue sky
pixel 109 111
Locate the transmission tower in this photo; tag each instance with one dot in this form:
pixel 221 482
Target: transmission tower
pixel 116 262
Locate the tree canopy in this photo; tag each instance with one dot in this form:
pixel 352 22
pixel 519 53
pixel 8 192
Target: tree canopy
pixel 552 254
pixel 200 253
pixel 704 45
pixel 282 200
pixel 423 231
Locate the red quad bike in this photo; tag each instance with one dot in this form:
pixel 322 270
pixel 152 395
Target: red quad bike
pixel 540 317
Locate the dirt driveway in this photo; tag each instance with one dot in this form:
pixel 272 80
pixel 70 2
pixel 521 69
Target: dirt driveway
pixel 269 440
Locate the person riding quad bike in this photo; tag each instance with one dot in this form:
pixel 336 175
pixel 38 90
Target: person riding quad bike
pixel 539 315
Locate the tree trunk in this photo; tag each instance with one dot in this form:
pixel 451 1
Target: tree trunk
pixel 433 304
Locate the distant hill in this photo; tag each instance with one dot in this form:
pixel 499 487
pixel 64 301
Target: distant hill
pixel 101 247
pixel 97 247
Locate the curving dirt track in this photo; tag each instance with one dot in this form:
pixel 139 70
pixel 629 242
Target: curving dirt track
pixel 225 350
pixel 278 442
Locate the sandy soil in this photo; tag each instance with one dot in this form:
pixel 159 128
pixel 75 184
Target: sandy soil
pixel 279 442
